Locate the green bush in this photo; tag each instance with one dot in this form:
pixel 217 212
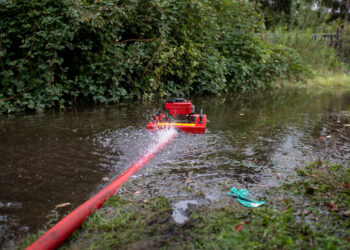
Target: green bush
pixel 61 53
pixel 316 53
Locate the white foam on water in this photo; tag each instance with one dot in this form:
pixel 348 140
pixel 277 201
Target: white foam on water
pixel 120 148
pixel 165 135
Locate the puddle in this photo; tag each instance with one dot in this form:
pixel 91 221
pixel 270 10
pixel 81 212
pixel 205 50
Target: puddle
pixel 180 211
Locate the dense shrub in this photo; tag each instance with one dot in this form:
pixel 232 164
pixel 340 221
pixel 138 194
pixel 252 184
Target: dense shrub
pixel 315 52
pixel 60 53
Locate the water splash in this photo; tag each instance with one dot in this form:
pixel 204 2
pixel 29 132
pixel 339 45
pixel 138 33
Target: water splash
pixel 120 148
pixel 164 135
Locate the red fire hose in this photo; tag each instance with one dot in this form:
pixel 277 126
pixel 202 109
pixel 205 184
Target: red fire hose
pixel 65 227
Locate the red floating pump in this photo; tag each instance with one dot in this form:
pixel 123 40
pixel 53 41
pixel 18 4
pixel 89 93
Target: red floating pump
pixel 180 115
pixel 179 106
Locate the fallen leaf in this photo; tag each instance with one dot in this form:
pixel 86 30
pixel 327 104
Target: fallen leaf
pixel 279 176
pixel 346 186
pixel 305 212
pixel 333 207
pixel 319 162
pixel 286 200
pixel 309 190
pixel 238 228
pixel 347 213
pixel 63 205
pixel 246 222
pixel 311 217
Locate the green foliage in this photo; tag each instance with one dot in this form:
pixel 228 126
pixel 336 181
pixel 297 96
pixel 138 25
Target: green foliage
pixel 305 16
pixel 301 14
pixel 61 53
pixel 316 53
pixel 276 12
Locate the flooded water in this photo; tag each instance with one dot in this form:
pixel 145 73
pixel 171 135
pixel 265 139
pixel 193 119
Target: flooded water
pixel 50 163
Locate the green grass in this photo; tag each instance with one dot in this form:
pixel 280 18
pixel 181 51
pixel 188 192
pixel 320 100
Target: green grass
pixel 124 223
pixel 340 80
pixel 309 212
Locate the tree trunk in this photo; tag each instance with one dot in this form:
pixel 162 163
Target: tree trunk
pixel 347 4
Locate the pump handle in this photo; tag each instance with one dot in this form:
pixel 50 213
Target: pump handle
pixel 155 115
pixel 180 99
pixel 200 117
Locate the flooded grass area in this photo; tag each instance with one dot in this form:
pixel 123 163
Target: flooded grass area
pixel 312 211
pixel 261 142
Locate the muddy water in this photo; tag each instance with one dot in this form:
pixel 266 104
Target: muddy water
pixel 50 163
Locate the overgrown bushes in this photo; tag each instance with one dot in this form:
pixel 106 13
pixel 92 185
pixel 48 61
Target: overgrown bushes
pixel 60 53
pixel 317 53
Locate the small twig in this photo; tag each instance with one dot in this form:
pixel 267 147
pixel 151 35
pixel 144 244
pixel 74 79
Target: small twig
pixel 2 66
pixel 32 45
pixel 157 52
pixel 71 44
pixel 20 93
pixel 137 40
pixel 150 61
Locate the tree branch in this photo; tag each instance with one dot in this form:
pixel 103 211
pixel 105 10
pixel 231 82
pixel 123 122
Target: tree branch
pixel 137 40
pixel 20 93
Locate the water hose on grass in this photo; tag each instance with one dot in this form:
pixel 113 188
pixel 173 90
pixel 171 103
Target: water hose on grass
pixel 65 227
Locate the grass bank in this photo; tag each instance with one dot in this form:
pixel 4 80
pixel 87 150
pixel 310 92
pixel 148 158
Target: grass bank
pixel 311 210
pixel 340 80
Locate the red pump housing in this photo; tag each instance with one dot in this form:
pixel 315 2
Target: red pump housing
pixel 180 115
pixel 180 107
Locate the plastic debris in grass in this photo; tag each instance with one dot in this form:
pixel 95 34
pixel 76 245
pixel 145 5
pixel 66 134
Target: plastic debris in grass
pixel 241 196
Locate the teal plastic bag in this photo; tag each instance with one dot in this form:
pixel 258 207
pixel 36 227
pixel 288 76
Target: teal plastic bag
pixel 242 198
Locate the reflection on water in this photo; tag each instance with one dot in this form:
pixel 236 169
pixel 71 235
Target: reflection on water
pixel 50 159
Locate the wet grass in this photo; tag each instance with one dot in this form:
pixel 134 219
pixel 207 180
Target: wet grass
pixel 125 223
pixel 311 211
